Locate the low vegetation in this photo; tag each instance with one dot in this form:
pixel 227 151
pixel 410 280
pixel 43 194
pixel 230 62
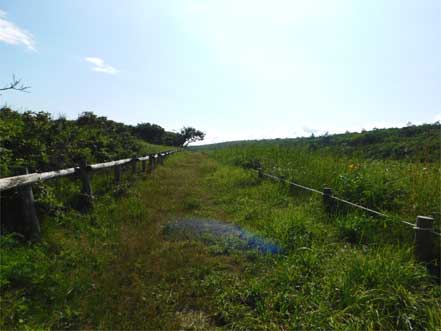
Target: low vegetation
pixel 120 267
pixel 115 268
pixel 398 187
pixel 413 143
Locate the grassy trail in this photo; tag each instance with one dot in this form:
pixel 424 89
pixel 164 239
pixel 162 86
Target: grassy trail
pixel 117 268
pixel 153 283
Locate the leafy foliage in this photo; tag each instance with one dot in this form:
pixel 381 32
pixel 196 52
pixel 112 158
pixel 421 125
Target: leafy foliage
pixel 414 143
pixel 37 141
pixel 41 143
pixel 151 132
pixel 157 135
pixel 188 135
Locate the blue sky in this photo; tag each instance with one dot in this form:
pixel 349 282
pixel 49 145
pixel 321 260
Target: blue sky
pixel 234 69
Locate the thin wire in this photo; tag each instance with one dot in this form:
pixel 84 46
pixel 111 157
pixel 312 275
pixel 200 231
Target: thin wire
pixel 344 201
pixel 292 183
pixel 408 223
pixel 359 206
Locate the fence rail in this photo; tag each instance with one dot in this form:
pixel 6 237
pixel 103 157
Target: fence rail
pixel 423 226
pixel 16 181
pixel 28 224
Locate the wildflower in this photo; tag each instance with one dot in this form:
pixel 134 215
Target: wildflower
pixel 353 166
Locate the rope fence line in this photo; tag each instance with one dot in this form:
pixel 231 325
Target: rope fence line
pixel 352 204
pixel 292 183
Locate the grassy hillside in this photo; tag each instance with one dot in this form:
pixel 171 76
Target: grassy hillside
pixel 414 143
pixel 366 168
pixel 118 267
pixel 401 188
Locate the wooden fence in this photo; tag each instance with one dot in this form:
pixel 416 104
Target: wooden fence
pixel 29 223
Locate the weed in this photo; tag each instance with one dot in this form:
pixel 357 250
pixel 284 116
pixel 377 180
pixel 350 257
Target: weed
pixel 120 268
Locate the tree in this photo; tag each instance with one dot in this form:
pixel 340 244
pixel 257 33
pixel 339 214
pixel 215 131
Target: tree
pixel 15 85
pixel 152 133
pixel 169 138
pixel 188 135
pixel 87 118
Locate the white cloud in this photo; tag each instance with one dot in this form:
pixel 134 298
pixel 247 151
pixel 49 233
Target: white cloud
pixel 101 66
pixel 14 35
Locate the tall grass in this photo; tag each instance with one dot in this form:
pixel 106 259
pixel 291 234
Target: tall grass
pixel 400 188
pixel 351 272
pixel 113 268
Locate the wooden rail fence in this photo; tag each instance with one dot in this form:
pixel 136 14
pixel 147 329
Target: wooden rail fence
pixel 29 224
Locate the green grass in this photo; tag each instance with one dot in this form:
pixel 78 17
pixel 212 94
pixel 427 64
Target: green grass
pixel 400 188
pixel 115 269
pixel 368 282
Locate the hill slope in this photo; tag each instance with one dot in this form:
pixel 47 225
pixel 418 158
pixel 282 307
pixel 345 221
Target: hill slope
pixel 412 143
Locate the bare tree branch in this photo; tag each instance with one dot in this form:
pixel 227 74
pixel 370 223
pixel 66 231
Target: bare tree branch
pixel 15 85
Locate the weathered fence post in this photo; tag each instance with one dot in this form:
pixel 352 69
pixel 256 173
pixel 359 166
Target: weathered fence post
pixel 134 160
pixel 423 238
pixel 117 174
pixel 86 195
pixel 144 166
pixel 30 225
pixel 160 159
pixel 328 202
pixel 259 169
pixel 151 162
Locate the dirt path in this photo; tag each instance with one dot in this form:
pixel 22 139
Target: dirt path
pixel 157 281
